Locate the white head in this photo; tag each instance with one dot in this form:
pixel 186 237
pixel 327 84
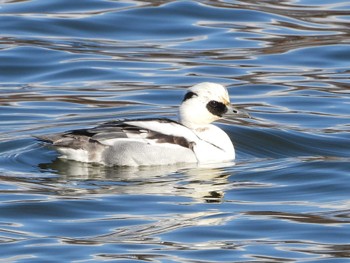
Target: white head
pixel 204 103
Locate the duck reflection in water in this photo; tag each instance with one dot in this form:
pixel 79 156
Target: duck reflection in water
pixel 203 183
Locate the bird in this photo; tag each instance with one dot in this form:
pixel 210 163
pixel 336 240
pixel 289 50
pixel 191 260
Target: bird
pixel 157 141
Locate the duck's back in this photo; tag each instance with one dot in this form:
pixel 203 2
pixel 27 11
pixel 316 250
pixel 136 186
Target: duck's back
pixel 128 143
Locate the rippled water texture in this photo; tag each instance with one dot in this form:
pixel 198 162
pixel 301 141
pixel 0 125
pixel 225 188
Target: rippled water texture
pixel 72 64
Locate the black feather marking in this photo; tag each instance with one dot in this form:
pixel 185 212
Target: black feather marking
pixel 82 132
pixel 164 138
pixel 217 108
pixel 189 95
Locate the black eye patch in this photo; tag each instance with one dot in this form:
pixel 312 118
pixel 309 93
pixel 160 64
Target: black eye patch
pixel 217 108
pixel 189 95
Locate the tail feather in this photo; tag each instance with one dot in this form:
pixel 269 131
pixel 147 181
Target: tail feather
pixel 74 147
pixel 68 141
pixel 50 139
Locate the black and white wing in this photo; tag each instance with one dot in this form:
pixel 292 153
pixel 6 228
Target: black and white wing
pixel 146 130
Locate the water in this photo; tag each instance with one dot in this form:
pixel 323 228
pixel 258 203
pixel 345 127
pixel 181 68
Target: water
pixel 72 64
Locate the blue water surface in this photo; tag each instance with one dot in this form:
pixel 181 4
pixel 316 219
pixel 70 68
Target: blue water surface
pixel 73 64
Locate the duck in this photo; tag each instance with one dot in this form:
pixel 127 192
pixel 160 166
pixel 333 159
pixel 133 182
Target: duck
pixel 157 141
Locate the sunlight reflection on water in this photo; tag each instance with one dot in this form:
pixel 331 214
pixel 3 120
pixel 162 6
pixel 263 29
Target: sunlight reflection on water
pixel 66 65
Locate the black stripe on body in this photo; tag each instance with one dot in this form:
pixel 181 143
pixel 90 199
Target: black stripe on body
pixel 164 138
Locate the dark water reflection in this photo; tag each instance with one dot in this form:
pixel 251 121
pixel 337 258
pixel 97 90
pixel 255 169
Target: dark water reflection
pixel 67 65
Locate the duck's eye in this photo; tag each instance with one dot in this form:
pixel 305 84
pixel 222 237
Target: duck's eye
pixel 213 103
pixel 216 108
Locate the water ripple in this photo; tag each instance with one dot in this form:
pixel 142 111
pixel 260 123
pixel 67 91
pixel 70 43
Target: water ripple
pixel 67 65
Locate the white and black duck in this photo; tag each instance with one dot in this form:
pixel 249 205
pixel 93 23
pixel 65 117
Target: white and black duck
pixel 138 142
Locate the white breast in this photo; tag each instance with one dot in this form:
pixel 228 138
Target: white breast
pixel 215 145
